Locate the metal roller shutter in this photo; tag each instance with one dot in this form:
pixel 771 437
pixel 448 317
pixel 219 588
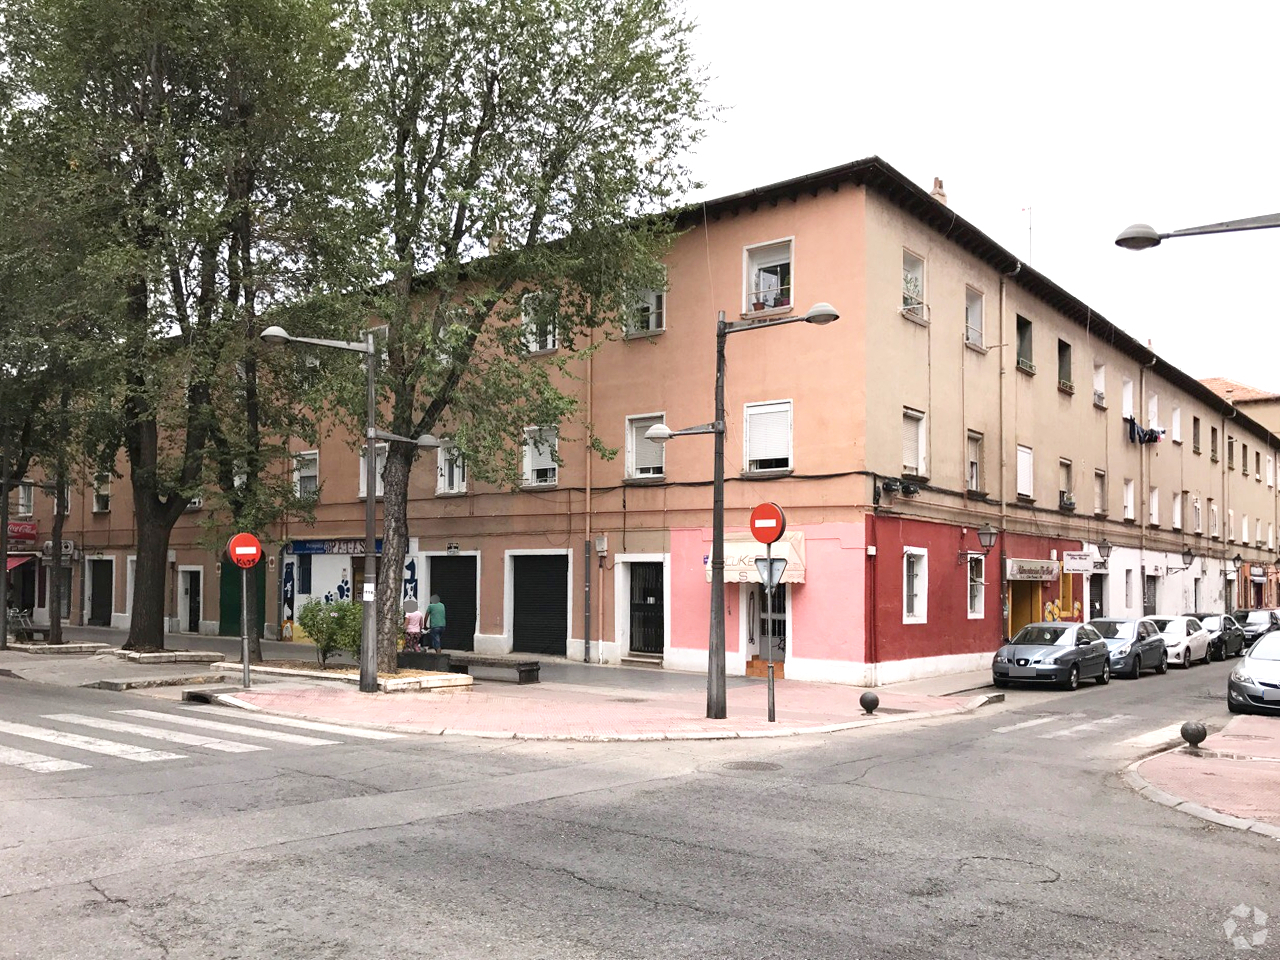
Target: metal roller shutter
pixel 453 579
pixel 540 597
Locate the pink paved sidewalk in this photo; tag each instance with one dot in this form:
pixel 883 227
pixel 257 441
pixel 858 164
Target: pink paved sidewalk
pixel 1236 773
pixel 566 711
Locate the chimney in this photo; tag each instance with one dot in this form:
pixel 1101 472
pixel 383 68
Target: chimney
pixel 937 192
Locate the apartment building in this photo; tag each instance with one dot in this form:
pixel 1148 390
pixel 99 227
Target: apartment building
pixel 959 390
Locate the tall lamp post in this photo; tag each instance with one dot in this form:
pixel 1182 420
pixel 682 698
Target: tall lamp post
pixel 1143 236
pixel 819 313
pixel 369 623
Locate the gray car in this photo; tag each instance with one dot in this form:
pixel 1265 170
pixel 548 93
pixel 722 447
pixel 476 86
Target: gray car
pixel 1135 645
pixel 1254 685
pixel 1053 652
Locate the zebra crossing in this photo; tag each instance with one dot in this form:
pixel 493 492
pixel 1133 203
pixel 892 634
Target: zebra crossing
pixel 1081 726
pixel 194 728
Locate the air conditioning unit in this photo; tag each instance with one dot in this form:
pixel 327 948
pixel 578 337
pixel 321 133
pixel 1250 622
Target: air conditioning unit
pixel 1026 365
pixel 1099 399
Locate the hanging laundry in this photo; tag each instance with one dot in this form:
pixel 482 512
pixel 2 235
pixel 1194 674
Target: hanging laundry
pixel 1140 434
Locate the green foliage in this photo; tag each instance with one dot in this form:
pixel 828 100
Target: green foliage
pixel 332 627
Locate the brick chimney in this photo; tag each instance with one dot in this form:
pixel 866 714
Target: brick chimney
pixel 937 192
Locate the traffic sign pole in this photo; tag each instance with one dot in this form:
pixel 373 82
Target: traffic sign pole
pixel 244 551
pixel 768 600
pixel 244 623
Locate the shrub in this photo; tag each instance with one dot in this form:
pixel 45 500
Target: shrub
pixel 332 626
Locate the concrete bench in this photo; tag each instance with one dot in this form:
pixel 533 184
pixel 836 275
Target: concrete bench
pixel 30 632
pixel 495 668
pixel 409 660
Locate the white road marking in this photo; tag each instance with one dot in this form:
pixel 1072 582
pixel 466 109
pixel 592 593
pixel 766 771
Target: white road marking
pixel 126 751
pixel 277 735
pixel 315 725
pixel 1036 722
pixel 1081 727
pixel 173 736
pixel 1156 737
pixel 36 762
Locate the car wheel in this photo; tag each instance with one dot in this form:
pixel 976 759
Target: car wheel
pixel 1163 666
pixel 1073 678
pixel 1105 676
pixel 999 682
pixel 1218 651
pixel 1186 658
pixel 1208 655
pixel 1136 672
pixel 1232 708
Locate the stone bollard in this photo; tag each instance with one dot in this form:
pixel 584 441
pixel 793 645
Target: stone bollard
pixel 869 701
pixel 1193 732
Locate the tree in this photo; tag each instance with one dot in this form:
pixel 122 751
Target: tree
pixel 225 159
pixel 526 146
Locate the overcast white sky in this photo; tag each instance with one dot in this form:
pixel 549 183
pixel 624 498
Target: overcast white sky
pixel 1095 115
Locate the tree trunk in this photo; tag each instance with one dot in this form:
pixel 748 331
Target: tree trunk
pixel 147 626
pixel 395 544
pixel 55 568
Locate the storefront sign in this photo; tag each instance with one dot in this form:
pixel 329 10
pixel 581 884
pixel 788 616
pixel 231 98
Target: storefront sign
pixel 23 531
pixel 452 549
pixel 1258 576
pixel 343 547
pixel 68 548
pixel 1077 561
pixel 1031 569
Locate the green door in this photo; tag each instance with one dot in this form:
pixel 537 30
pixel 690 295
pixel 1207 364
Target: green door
pixel 229 598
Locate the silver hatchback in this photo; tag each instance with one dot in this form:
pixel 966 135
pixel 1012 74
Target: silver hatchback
pixel 1254 685
pixel 1053 652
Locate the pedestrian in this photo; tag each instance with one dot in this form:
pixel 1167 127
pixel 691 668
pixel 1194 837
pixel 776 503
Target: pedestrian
pixel 435 622
pixel 413 630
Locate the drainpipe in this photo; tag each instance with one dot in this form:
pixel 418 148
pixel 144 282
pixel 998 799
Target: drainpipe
pixel 1004 453
pixel 586 510
pixel 1144 500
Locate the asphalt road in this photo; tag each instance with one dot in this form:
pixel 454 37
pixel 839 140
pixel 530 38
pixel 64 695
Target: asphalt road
pixel 1006 833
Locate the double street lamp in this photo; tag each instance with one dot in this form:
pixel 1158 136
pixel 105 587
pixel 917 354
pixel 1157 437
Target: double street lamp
pixel 369 623
pixel 819 313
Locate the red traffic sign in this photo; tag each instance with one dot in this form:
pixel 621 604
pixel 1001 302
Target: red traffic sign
pixel 244 550
pixel 768 523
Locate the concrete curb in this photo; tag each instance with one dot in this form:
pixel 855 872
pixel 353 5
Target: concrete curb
pixel 146 683
pixel 1149 791
pixel 57 649
pixel 434 681
pixel 971 704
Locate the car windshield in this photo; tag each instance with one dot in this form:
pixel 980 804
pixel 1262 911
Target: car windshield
pixel 1267 647
pixel 1162 623
pixel 1042 635
pixel 1114 629
pixel 1259 616
pixel 1211 623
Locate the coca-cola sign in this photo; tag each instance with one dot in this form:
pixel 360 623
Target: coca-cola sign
pixel 23 531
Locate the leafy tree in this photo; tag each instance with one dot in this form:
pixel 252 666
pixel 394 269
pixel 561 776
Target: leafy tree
pixel 224 156
pixel 524 146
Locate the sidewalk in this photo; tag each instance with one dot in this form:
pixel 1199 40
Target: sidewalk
pixel 1233 780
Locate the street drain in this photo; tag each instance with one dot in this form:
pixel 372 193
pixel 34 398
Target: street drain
pixel 752 765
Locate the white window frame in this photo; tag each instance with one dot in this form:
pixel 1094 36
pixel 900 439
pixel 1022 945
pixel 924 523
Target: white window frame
pixel 1197 516
pixel 1271 535
pixel 752 410
pixel 1213 520
pixel 102 493
pixel 1176 519
pixel 914 292
pixel 313 458
pixel 920 606
pixel 1026 455
pixel 1271 471
pixel 1153 505
pixel 650 315
pixel 1257 532
pixel 549 439
pixel 1231 525
pixel 1100 384
pixel 451 470
pixel 1126 398
pixel 1175 424
pixel 537 341
pixel 636 427
pixel 380 466
pixel 1100 492
pixel 977 600
pixel 1066 480
pixel 974 329
pixel 762 257
pixel 913 418
pixel 1153 412
pixel 1129 506
pixel 26 499
pixel 973 464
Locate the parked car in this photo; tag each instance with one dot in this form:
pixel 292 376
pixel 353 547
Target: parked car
pixel 1226 636
pixel 1257 622
pixel 1185 639
pixel 1254 685
pixel 1135 645
pixel 1053 652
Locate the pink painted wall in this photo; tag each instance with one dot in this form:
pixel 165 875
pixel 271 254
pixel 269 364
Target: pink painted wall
pixel 827 611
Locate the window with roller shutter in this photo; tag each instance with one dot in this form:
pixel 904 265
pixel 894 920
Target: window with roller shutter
pixel 644 457
pixel 540 469
pixel 913 442
pixel 1025 473
pixel 767 436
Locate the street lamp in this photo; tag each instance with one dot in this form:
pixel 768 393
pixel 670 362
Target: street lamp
pixel 819 313
pixel 1143 236
pixel 369 624
pixel 1104 549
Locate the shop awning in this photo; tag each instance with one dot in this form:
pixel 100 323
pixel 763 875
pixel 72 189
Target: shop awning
pixel 741 550
pixel 18 561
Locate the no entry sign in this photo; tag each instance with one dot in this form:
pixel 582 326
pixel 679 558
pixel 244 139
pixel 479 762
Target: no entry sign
pixel 768 523
pixel 244 550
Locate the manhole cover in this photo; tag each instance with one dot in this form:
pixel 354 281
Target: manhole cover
pixel 629 700
pixel 752 765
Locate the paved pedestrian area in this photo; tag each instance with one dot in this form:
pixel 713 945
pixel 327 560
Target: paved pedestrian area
pixel 650 710
pixel 1236 772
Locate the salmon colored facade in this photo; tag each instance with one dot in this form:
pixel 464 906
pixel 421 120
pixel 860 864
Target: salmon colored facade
pixel 930 409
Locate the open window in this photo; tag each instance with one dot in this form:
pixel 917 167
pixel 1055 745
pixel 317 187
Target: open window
pixel 768 276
